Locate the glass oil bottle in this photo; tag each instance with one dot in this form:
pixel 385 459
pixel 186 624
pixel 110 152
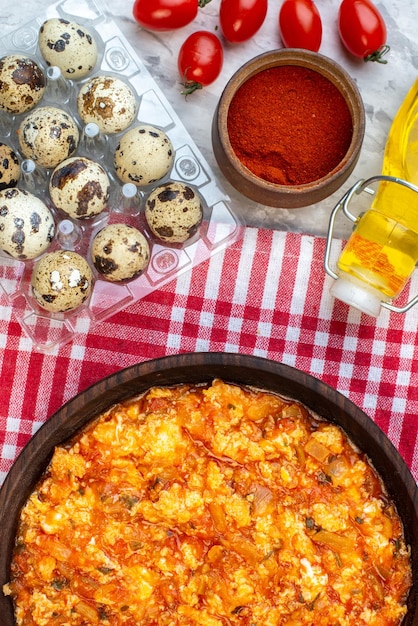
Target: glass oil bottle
pixel 382 251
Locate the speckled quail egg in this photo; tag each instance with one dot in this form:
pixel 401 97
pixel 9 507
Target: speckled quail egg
pixel 22 84
pixel 143 155
pixel 174 212
pixel 69 46
pixel 48 135
pixel 108 102
pixel 120 252
pixel 27 225
pixel 79 187
pixel 9 167
pixel 61 281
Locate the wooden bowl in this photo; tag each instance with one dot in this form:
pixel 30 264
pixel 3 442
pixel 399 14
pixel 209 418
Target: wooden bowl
pixel 287 195
pixel 196 368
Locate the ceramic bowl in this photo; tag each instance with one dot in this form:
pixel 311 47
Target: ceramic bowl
pixel 287 195
pixel 199 368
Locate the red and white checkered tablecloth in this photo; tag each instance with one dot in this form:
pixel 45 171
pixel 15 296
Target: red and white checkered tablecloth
pixel 266 295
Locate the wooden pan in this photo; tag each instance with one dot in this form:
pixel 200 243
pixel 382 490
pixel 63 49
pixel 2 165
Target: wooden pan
pixel 195 368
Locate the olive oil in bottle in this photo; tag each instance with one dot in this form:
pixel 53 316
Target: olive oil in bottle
pixel 382 251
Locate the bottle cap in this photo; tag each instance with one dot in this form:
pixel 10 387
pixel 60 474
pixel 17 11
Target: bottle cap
pixel 358 294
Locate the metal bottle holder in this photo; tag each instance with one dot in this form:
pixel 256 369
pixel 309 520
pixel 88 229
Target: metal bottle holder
pixel 357 189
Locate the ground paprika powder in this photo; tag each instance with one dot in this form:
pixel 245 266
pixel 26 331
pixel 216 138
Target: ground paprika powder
pixel 289 125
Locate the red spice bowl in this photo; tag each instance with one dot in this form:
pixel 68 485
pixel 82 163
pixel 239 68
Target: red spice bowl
pixel 288 128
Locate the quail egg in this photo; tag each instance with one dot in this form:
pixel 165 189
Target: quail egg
pixel 22 84
pixel 80 187
pixel 26 224
pixel 48 135
pixel 120 252
pixel 143 155
pixel 61 281
pixel 69 46
pixel 9 167
pixel 108 102
pixel 173 212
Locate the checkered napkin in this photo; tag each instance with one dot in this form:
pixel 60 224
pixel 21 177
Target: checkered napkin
pixel 266 295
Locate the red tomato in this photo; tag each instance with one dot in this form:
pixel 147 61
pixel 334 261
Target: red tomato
pixel 362 30
pixel 166 14
pixel 300 25
pixel 200 60
pixel 241 19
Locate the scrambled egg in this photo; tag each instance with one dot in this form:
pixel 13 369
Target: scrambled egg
pixel 209 506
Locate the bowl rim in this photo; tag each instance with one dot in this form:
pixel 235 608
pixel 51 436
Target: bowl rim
pixel 198 367
pixel 320 63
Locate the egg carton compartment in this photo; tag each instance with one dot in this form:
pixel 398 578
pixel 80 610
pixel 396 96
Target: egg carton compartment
pixel 220 227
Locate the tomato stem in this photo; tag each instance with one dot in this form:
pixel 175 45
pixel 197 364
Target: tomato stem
pixel 203 3
pixel 378 54
pixel 190 87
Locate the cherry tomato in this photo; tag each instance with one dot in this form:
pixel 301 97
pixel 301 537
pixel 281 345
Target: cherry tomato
pixel 362 30
pixel 166 14
pixel 200 60
pixel 241 19
pixel 300 25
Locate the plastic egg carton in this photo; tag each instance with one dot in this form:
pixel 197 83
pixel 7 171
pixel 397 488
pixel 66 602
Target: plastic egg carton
pixel 220 227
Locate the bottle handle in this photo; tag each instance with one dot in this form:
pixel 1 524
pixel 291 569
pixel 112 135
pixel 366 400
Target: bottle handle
pixel 359 187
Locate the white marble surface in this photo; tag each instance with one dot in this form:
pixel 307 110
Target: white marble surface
pixel 383 86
